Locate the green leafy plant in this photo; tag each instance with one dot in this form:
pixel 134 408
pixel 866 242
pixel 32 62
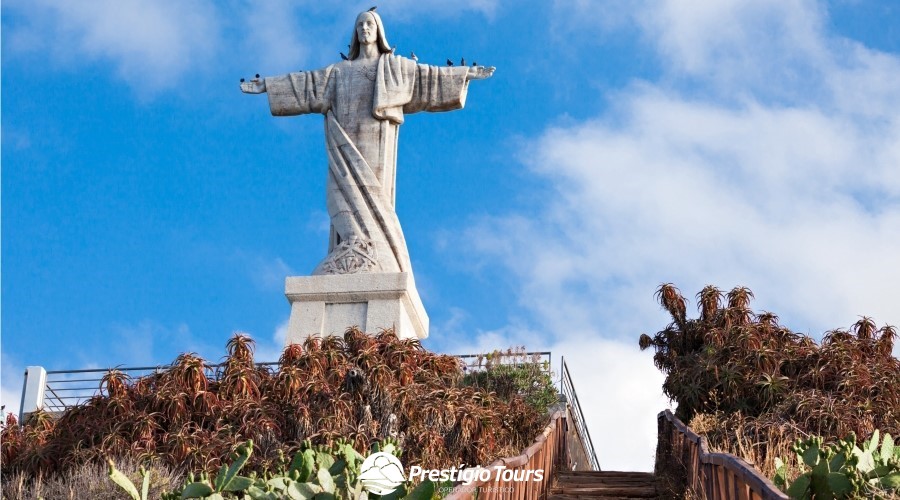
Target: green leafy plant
pixel 314 473
pixel 124 483
pixel 514 373
pixel 227 480
pixel 843 470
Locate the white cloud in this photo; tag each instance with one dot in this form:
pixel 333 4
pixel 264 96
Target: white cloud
pixel 406 9
pixel 149 343
pixel 270 350
pixel 158 45
pixel 736 38
pixel 736 49
pixel 152 45
pixel 275 35
pixel 267 273
pixel 319 221
pixel 16 138
pixel 11 380
pixel 271 273
pixel 798 200
pixel 617 386
pixel 765 156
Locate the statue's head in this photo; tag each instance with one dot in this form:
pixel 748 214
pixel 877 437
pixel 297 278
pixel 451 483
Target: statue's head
pixel 368 29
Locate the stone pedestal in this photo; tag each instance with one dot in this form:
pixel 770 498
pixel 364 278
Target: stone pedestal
pixel 329 304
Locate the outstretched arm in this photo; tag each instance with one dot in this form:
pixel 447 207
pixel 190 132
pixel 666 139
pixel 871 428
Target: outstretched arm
pixel 440 88
pixel 480 72
pixel 255 86
pixel 295 93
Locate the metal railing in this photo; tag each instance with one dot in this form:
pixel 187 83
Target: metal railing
pixel 567 389
pixel 478 362
pixel 63 389
pixel 683 455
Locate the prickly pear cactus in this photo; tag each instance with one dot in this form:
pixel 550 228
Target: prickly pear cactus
pixel 314 473
pixel 843 469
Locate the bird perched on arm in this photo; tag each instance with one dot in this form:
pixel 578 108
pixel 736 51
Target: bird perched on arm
pixel 449 62
pixel 462 62
pixel 412 55
pixel 344 57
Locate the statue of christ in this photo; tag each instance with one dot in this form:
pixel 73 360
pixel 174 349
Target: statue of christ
pixel 364 99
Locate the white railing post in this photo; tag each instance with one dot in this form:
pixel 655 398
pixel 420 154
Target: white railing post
pixel 33 392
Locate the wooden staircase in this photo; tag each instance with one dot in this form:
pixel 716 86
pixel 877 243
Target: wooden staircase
pixel 603 484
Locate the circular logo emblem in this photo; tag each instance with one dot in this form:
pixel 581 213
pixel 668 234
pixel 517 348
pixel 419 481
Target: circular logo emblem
pixel 381 473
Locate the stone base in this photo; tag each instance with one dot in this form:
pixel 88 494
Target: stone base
pixel 329 304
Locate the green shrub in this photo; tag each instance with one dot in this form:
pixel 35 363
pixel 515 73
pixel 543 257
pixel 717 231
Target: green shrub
pixel 513 373
pixel 844 470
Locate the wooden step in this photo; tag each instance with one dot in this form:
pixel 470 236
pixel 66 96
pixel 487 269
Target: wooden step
pixel 608 491
pixel 584 497
pixel 604 479
pixel 610 473
pixel 593 497
pixel 609 485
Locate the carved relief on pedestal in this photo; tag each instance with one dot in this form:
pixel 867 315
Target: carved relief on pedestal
pixel 350 257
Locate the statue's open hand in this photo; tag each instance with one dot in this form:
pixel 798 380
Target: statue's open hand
pixel 255 86
pixel 480 72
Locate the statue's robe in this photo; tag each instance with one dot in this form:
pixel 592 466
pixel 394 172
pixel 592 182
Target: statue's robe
pixel 364 108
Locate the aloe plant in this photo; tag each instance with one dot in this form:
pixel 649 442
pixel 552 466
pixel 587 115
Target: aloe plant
pixel 366 386
pixel 843 470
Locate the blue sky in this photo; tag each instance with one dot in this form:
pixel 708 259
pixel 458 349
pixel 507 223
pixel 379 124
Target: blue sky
pixel 150 208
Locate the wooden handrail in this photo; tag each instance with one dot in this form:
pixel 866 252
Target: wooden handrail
pixel 546 454
pixel 684 454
